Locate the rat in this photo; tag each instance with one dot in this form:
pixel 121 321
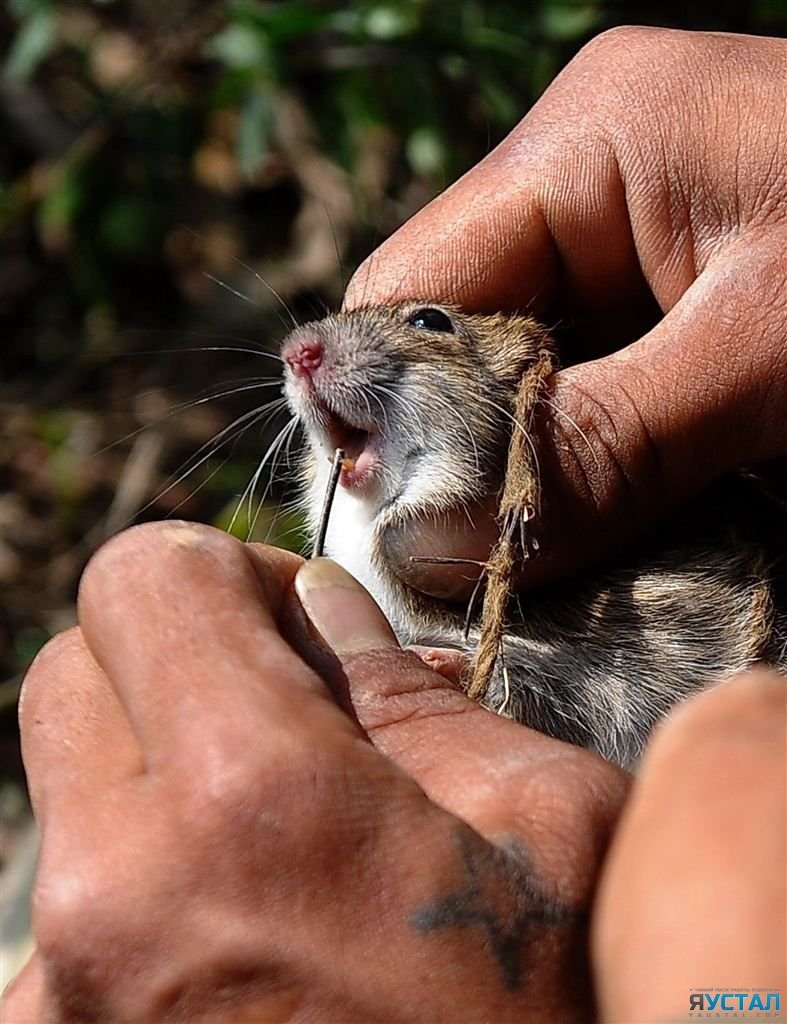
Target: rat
pixel 419 396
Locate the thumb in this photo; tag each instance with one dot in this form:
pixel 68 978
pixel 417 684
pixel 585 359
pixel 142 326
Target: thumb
pixel 625 440
pixel 636 434
pixel 452 747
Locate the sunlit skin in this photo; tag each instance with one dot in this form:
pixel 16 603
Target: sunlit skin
pixel 240 840
pixel 654 166
pixel 255 807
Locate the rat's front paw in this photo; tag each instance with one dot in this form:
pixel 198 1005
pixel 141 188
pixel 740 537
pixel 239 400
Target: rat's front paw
pixel 451 664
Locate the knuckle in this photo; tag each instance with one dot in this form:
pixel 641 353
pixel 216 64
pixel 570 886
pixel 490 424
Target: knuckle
pixel 227 797
pixel 618 66
pixel 254 795
pixel 612 40
pixel 74 915
pixel 88 928
pixel 625 49
pixel 56 905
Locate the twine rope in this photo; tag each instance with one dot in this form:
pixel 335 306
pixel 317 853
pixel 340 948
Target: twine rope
pixel 517 510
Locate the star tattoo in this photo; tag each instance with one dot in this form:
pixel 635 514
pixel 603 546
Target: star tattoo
pixel 500 896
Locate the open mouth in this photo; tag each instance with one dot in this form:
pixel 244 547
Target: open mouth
pixel 352 440
pixel 358 444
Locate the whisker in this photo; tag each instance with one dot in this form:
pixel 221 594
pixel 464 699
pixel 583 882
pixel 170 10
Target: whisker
pixel 248 491
pixel 234 349
pixel 287 434
pixel 231 290
pixel 193 403
pixel 210 448
pixel 258 277
pixel 564 415
pixel 266 284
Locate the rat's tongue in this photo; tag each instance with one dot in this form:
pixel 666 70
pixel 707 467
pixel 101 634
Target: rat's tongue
pixel 358 471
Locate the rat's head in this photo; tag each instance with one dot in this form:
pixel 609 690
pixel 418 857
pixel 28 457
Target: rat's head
pixel 419 397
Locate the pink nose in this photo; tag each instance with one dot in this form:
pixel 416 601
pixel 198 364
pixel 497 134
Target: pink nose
pixel 304 355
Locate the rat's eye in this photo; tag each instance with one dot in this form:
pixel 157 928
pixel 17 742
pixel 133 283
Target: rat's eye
pixel 431 320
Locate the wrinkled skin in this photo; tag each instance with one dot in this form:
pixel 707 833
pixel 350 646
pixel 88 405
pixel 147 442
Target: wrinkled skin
pixel 227 837
pixel 654 167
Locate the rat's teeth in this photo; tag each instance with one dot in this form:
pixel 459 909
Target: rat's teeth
pixel 348 464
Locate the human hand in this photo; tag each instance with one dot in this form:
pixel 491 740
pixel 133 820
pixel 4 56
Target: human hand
pixel 655 166
pixel 222 841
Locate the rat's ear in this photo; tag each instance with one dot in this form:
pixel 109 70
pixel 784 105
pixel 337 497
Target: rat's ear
pixel 511 343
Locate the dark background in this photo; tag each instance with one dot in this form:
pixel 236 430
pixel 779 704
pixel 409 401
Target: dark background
pixel 166 166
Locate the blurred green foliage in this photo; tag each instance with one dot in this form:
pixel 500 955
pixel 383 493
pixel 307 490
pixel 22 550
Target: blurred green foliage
pixel 166 171
pixel 116 111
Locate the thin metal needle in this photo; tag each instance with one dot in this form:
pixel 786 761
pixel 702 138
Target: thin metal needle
pixel 336 469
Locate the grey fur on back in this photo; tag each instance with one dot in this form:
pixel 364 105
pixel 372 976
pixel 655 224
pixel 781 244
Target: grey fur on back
pixel 600 660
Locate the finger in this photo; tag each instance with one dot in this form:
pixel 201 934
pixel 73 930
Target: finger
pixel 706 822
pixel 598 181
pixel 452 747
pixel 641 431
pixel 182 619
pixel 76 740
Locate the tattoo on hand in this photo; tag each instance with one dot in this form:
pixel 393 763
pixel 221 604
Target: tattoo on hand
pixel 501 897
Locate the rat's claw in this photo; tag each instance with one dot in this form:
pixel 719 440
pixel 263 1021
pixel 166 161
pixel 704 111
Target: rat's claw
pixel 449 663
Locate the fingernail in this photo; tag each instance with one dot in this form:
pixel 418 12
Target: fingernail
pixel 342 611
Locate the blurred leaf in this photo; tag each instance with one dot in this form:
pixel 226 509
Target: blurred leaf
pixel 239 46
pixel 390 21
pixel 542 70
pixel 34 42
pixel 503 106
pixel 569 21
pixel 21 9
pixel 280 22
pixel 233 84
pixel 128 225
pixel 454 65
pixel 426 152
pixel 59 207
pixel 497 41
pixel 254 129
